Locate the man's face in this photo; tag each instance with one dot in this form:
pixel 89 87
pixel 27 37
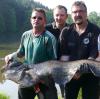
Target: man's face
pixel 60 16
pixel 79 15
pixel 38 20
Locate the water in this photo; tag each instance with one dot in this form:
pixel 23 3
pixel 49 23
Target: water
pixel 9 88
pixel 6 86
pixel 1 59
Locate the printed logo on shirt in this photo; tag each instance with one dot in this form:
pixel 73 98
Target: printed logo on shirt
pixel 86 41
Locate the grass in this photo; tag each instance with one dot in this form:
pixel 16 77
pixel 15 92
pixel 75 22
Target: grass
pixel 59 97
pixel 6 49
pixel 4 96
pixel 80 94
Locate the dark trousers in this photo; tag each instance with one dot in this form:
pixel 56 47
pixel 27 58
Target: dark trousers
pixel 89 84
pixel 49 91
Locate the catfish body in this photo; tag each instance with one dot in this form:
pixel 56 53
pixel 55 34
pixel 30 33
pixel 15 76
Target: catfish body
pixel 61 72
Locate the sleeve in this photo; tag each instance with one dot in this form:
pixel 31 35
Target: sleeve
pixel 52 48
pixel 63 42
pixel 21 49
pixel 94 46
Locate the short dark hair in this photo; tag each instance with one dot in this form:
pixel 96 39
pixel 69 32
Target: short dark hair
pixel 81 4
pixel 40 10
pixel 60 7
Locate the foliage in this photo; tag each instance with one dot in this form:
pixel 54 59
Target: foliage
pixel 69 19
pixel 2 23
pixel 4 96
pixel 94 18
pixel 49 15
pixel 15 18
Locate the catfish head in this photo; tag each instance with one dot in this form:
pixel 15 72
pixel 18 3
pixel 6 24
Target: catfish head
pixel 18 72
pixel 13 71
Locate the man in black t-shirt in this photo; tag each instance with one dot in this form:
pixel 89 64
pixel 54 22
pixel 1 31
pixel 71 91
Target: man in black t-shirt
pixel 60 16
pixel 80 42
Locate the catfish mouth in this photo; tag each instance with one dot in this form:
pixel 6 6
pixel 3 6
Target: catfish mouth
pixel 27 81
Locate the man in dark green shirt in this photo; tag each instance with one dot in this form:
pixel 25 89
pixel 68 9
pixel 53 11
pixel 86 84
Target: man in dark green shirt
pixel 37 45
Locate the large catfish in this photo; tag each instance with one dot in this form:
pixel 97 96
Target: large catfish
pixel 62 72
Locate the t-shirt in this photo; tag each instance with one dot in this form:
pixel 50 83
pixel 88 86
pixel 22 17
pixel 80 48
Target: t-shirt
pixel 79 46
pixel 56 32
pixel 37 49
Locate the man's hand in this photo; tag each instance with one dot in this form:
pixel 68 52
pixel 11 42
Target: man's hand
pixel 10 57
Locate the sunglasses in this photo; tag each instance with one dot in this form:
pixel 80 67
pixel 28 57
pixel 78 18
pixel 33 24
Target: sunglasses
pixel 39 18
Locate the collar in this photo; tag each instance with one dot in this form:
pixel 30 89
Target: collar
pixel 55 27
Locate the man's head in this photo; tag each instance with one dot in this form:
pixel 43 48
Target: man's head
pixel 79 12
pixel 38 18
pixel 60 15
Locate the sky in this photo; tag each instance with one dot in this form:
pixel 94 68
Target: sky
pixel 92 5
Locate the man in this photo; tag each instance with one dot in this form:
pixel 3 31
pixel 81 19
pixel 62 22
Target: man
pixel 80 42
pixel 37 45
pixel 60 16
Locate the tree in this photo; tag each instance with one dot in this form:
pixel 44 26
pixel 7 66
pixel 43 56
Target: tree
pixel 69 19
pixel 15 17
pixel 2 24
pixel 94 17
pixel 49 15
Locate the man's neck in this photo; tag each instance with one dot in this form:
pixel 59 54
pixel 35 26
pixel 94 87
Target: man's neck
pixel 37 32
pixel 60 26
pixel 81 28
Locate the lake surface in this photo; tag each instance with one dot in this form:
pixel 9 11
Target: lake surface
pixel 6 86
pixel 10 89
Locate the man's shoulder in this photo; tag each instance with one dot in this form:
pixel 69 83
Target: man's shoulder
pixel 48 34
pixel 26 33
pixel 49 26
pixel 66 31
pixel 94 28
pixel 68 28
